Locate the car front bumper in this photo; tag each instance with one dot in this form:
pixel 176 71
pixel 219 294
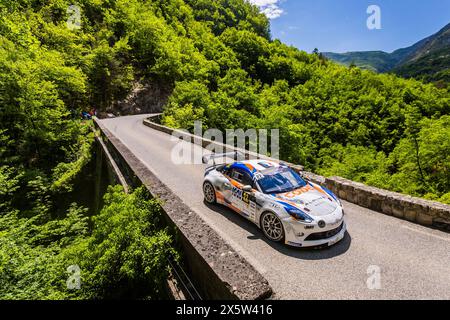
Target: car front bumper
pixel 297 236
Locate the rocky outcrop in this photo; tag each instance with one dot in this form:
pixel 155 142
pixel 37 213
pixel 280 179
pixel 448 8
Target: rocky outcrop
pixel 148 97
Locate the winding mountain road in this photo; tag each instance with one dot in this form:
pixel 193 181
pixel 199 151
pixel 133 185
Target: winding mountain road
pixel 414 261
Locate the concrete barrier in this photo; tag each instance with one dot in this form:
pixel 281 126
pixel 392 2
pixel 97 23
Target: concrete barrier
pixel 421 211
pixel 217 270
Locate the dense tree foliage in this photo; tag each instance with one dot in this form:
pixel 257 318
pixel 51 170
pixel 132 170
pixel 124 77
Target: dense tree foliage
pixel 48 74
pixel 123 255
pixel 224 68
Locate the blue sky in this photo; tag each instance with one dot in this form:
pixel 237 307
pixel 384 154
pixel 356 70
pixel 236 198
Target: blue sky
pixel 340 25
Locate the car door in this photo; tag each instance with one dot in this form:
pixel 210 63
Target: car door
pixel 242 201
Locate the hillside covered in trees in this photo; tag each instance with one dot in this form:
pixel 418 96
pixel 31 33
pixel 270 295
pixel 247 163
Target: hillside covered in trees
pixel 427 60
pixel 48 74
pixel 378 129
pixel 224 68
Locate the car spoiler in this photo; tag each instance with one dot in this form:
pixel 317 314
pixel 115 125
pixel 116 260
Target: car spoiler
pixel 237 156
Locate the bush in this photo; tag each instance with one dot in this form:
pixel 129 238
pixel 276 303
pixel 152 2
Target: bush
pixel 124 256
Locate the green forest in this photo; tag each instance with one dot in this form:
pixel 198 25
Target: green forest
pixel 226 70
pixel 48 74
pixel 431 67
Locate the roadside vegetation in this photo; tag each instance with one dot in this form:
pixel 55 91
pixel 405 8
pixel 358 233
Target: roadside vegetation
pixel 48 75
pixel 120 253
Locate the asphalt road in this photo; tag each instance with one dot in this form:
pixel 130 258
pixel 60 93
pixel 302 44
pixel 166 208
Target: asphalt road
pixel 414 261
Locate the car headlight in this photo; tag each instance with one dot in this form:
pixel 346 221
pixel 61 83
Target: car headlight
pixel 299 215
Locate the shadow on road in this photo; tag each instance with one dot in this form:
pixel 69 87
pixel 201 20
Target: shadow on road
pixel 312 253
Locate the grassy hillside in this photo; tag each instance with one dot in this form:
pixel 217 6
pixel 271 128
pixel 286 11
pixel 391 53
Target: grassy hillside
pixel 437 42
pixel 434 66
pixel 377 61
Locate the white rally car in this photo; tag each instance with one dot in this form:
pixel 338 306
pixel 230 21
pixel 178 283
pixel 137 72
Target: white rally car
pixel 286 207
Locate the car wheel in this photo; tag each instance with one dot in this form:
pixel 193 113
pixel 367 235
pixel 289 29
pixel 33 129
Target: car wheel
pixel 209 193
pixel 272 227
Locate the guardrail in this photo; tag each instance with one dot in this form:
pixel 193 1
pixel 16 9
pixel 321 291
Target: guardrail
pixel 218 271
pixel 421 211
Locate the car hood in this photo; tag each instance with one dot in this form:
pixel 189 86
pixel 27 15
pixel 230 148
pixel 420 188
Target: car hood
pixel 311 199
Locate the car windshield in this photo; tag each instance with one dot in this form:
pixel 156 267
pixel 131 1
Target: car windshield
pixel 280 180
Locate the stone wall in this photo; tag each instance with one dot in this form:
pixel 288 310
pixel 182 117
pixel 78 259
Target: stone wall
pixel 424 212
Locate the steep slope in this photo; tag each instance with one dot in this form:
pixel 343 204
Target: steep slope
pixel 434 66
pixel 220 66
pixel 428 58
pixel 437 42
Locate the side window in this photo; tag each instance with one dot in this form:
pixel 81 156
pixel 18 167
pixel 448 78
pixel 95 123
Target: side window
pixel 225 170
pixel 242 177
pixel 237 175
pixel 247 180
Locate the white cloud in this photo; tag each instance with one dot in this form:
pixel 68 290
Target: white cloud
pixel 269 7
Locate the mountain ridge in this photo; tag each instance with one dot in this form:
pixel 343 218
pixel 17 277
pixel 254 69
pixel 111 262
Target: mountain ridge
pixel 404 61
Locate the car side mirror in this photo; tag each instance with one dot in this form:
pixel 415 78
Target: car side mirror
pixel 300 173
pixel 247 188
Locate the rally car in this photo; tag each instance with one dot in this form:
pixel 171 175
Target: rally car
pixel 286 207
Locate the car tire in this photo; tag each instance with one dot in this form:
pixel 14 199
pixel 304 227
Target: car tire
pixel 272 227
pixel 209 193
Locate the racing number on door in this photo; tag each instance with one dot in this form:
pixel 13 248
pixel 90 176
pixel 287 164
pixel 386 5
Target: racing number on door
pixel 246 198
pixel 244 202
